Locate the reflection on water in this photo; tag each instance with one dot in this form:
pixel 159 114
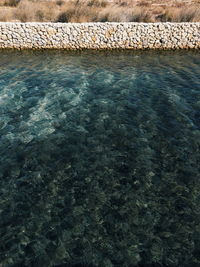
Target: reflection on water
pixel 99 159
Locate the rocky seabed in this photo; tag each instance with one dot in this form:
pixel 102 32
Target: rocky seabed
pixel 74 36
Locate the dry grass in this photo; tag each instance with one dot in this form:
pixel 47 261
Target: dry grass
pixel 124 14
pixel 99 10
pixel 191 14
pixel 35 11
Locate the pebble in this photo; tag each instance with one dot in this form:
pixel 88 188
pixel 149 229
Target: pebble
pixel 108 35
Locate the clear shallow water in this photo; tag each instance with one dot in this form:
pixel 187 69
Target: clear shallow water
pixel 100 159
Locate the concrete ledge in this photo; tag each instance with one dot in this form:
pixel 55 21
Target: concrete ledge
pixel 74 36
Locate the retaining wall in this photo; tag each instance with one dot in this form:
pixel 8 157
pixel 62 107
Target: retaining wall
pixel 100 35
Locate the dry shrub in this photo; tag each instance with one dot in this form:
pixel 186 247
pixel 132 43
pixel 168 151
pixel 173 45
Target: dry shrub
pixel 191 14
pixel 122 14
pixel 157 11
pixel 66 13
pixel 113 13
pixel 92 11
pixel 25 11
pixel 141 15
pixel 98 10
pixel 122 3
pixel 97 3
pixel 60 2
pixel 32 11
pixel 72 12
pixel 11 3
pixel 179 4
pixel 6 16
pixel 143 3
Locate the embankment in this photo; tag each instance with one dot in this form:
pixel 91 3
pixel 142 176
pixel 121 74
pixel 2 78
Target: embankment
pixel 74 36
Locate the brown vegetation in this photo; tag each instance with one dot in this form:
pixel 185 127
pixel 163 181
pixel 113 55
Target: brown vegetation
pixel 99 10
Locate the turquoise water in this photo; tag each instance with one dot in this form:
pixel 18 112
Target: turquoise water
pixel 99 159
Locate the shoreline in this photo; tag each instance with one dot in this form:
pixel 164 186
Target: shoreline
pixel 100 36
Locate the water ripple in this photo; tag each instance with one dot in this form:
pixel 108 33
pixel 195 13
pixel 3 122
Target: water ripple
pixel 99 158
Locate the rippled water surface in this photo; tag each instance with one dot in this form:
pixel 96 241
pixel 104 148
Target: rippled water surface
pixel 99 159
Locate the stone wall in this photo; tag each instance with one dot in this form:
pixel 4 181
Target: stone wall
pixel 100 35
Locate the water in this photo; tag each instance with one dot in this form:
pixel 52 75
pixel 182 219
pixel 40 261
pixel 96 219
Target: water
pixel 99 159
